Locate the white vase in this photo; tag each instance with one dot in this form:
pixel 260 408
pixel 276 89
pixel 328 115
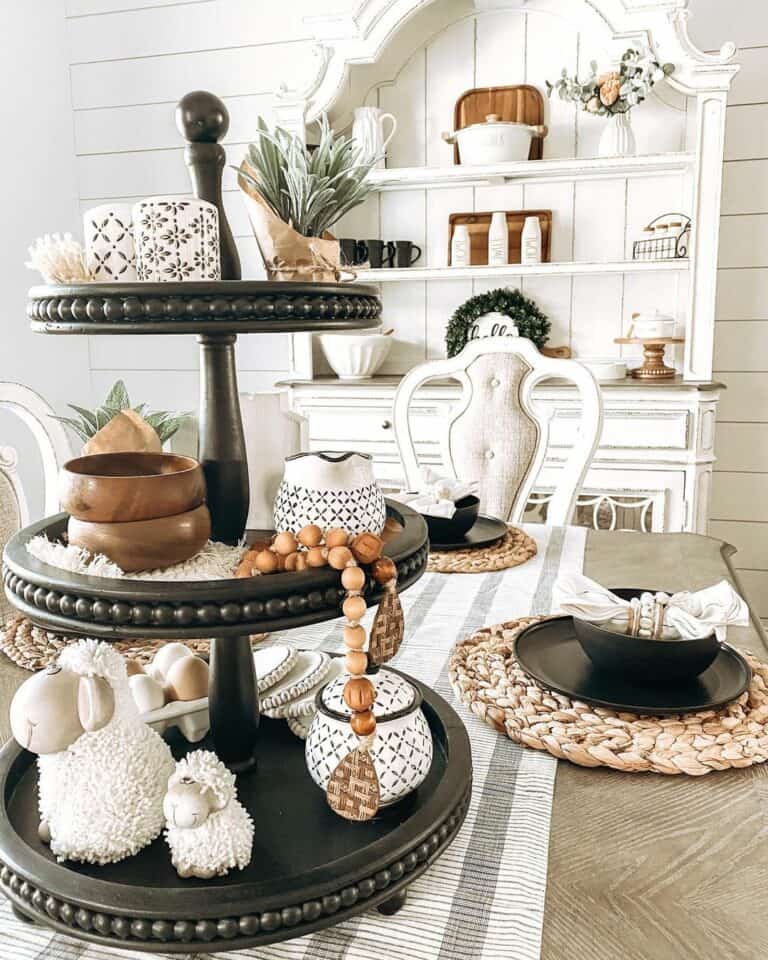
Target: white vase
pixel 177 238
pixel 617 140
pixel 332 490
pixel 109 249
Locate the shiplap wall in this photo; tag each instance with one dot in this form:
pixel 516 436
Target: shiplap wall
pixel 130 62
pixel 739 511
pixel 37 170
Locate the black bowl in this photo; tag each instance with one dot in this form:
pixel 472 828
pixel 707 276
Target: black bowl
pixel 661 660
pixel 447 530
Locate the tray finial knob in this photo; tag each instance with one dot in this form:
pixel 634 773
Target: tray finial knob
pixel 201 117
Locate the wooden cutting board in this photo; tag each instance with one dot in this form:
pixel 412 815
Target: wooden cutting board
pixel 479 224
pixel 520 103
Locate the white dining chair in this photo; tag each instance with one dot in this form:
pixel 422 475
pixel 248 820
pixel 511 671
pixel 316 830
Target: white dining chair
pixel 54 449
pixel 495 434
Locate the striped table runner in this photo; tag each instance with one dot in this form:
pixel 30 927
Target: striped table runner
pixel 484 898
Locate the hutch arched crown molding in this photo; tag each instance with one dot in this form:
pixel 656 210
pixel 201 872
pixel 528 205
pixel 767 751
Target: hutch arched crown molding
pixel 414 58
pixel 360 38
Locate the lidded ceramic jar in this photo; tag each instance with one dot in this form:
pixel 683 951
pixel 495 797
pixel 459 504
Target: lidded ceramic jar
pixel 402 747
pixel 331 490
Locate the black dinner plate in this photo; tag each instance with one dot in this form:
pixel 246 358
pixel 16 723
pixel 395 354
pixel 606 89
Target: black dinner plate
pixel 550 653
pixel 484 531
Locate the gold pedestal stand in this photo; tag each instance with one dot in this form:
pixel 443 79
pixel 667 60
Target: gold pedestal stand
pixel 653 366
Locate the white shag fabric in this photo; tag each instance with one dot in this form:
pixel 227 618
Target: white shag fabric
pixel 216 561
pixel 484 898
pixel 103 796
pixel 224 841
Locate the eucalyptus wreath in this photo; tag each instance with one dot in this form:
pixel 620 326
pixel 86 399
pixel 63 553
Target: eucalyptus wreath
pixel 524 313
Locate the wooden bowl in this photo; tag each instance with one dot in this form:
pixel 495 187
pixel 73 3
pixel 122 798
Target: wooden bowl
pixel 145 544
pixel 664 661
pixel 124 487
pixel 450 529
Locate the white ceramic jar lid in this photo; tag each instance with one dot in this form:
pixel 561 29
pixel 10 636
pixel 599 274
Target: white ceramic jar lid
pixel 395 696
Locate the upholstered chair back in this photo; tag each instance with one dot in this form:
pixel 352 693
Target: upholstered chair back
pixel 496 435
pixel 54 450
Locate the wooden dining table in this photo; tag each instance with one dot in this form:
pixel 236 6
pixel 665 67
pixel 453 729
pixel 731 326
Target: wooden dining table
pixel 644 866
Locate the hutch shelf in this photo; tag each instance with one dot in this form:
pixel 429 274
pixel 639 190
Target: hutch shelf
pixel 414 58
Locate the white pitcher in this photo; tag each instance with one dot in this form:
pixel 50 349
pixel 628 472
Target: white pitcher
pixel 368 131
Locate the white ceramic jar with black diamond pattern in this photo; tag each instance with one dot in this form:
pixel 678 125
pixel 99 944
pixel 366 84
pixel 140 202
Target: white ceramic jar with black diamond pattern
pixel 109 251
pixel 402 747
pixel 331 490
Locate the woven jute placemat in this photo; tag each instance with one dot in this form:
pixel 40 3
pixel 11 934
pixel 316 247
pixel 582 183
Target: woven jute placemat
pixel 487 678
pixel 513 549
pixel 33 648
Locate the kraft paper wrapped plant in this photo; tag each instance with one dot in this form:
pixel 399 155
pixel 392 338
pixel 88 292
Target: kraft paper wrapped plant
pixel 294 195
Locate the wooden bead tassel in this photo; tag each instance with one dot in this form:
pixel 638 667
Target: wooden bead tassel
pixel 353 787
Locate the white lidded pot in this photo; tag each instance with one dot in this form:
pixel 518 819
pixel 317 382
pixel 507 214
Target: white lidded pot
pixel 331 490
pixel 402 747
pixel 495 141
pixel 644 326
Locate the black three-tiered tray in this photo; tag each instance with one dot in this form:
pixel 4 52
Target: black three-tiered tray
pixel 310 869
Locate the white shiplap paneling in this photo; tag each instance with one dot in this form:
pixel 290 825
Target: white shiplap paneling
pixel 745 400
pixel 165 79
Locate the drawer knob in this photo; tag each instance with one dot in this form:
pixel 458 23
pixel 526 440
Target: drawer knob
pixel 386 425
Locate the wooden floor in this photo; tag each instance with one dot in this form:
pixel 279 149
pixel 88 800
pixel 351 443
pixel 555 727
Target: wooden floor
pixel 649 867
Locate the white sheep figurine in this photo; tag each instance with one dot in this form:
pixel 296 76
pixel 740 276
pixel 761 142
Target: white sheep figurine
pixel 103 771
pixel 208 829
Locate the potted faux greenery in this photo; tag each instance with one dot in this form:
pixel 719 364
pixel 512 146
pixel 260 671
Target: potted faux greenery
pixel 294 195
pixel 117 427
pixel 612 94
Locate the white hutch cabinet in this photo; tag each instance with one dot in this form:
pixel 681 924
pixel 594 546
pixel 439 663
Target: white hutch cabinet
pixel 414 58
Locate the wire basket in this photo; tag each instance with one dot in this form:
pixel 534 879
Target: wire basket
pixel 672 246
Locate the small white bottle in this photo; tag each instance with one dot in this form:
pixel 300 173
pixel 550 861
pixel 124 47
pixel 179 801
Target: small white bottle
pixel 460 246
pixel 498 241
pixel 530 241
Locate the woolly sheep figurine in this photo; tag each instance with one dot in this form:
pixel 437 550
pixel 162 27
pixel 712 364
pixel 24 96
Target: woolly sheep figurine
pixel 103 771
pixel 208 829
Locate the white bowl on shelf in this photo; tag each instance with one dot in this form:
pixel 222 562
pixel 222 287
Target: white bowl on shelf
pixel 605 368
pixel 355 356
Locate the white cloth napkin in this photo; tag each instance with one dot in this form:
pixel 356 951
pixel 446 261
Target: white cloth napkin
pixel 689 614
pixel 436 496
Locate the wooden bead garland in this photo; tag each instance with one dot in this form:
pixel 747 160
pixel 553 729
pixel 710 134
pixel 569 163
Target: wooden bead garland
pixel 353 788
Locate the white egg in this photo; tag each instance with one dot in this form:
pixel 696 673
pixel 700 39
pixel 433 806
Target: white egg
pixel 166 656
pixel 147 692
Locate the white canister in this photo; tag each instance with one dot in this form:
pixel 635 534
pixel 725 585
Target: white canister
pixel 460 246
pixel 109 249
pixel 177 238
pixel 331 490
pixel 368 131
pixel 402 747
pixel 645 326
pixel 530 241
pixel 498 240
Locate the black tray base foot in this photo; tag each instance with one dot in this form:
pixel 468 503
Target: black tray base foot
pixel 390 907
pixel 233 702
pixel 20 915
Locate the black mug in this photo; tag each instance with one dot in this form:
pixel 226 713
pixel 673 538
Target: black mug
pixel 404 253
pixel 352 252
pixel 378 253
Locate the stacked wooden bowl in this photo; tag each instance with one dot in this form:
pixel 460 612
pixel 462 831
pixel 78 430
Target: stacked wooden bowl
pixel 144 511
